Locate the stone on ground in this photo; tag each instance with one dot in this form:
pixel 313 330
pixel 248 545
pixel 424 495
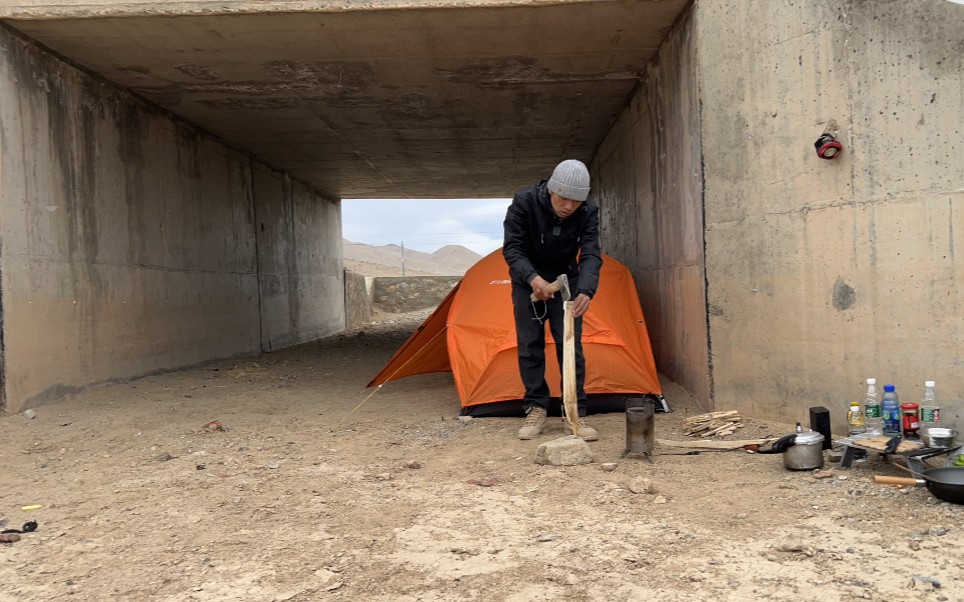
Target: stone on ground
pixel 564 451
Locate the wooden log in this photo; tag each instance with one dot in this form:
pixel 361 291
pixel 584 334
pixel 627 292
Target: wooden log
pixel 711 416
pixel 715 427
pixel 569 401
pixel 736 444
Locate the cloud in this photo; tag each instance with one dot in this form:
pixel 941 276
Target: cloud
pixel 425 224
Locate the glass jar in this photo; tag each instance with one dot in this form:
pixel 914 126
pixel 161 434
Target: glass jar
pixel 910 419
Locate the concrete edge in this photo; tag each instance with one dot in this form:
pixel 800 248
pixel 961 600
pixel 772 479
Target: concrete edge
pixel 35 10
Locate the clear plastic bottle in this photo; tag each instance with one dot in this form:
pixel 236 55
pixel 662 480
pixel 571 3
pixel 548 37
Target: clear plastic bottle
pixel 872 409
pixel 855 419
pixel 930 412
pixel 890 412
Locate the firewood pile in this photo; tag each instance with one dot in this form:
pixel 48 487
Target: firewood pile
pixel 714 424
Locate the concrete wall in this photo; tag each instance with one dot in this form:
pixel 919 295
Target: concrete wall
pixel 132 243
pixel 818 273
pixel 648 180
pixel 821 273
pixel 299 261
pixel 359 295
pixel 392 294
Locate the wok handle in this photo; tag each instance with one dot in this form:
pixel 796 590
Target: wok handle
pixel 905 481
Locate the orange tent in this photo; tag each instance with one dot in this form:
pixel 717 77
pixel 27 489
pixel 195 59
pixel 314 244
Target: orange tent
pixel 472 335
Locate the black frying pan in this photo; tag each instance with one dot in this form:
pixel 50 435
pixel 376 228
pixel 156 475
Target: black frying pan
pixel 946 483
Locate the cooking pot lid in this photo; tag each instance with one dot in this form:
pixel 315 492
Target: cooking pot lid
pixel 808 438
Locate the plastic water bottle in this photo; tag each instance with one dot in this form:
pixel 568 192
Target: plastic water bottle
pixel 855 419
pixel 872 408
pixel 930 412
pixel 890 411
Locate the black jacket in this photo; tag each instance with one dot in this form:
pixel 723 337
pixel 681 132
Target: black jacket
pixel 537 241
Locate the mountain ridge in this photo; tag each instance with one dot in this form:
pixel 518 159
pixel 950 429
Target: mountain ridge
pixel 387 260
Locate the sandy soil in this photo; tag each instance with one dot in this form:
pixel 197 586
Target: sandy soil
pixel 403 501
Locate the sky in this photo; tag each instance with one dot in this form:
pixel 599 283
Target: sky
pixel 425 224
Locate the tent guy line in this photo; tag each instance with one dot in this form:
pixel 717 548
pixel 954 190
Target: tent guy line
pixel 377 389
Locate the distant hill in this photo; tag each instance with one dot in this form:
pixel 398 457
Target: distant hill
pixel 450 260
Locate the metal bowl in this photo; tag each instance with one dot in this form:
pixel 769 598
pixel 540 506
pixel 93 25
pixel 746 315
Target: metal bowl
pixel 941 437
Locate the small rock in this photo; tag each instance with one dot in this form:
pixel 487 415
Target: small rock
pixel 465 419
pixel 659 500
pixel 791 546
pixel 9 537
pixel 30 414
pixel 641 485
pixel 924 579
pixel 486 481
pixel 547 537
pixel 329 580
pixel 842 477
pixel 608 466
pixel 413 464
pixel 272 465
pixel 164 457
pixel 940 531
pixel 384 477
pixel 824 474
pixel 914 545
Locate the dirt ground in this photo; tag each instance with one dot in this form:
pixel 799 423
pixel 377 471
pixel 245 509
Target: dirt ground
pixel 404 501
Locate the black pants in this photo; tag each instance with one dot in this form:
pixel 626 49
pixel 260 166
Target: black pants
pixel 531 337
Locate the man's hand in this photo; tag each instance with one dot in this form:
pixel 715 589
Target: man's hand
pixel 540 288
pixel 580 305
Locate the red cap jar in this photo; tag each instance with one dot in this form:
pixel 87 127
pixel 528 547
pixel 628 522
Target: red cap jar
pixel 910 418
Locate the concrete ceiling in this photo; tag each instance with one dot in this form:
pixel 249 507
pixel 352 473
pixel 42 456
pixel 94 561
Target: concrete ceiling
pixel 417 102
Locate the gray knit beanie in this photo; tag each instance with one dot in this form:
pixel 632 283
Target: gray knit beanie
pixel 570 180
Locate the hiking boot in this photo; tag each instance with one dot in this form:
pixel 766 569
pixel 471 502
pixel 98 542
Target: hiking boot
pixel 535 420
pixel 586 432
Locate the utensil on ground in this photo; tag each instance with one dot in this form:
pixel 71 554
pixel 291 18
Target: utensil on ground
pixel 946 483
pixel 806 453
pixel 640 431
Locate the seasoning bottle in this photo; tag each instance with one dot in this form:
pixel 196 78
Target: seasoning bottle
pixel 855 419
pixel 910 420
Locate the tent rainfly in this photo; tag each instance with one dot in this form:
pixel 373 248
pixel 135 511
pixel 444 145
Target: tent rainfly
pixel 472 335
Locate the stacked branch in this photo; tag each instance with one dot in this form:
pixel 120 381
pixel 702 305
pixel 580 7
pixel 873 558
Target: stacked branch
pixel 714 424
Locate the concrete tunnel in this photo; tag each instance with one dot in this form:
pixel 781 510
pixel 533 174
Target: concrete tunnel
pixel 172 174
